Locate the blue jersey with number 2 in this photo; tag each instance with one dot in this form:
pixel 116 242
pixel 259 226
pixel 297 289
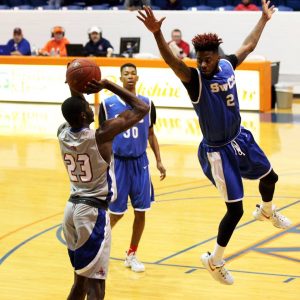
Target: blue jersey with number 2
pixel 132 142
pixel 217 106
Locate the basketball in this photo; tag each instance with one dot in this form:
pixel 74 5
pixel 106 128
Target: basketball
pixel 80 71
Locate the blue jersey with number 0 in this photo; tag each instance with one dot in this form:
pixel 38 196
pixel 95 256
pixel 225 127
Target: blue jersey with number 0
pixel 132 142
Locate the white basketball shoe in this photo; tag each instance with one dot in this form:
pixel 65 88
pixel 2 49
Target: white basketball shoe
pixel 132 262
pixel 219 272
pixel 277 219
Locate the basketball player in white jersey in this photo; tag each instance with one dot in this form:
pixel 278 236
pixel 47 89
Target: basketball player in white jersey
pixel 87 157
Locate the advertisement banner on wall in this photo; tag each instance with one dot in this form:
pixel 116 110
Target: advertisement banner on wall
pixel 41 83
pixel 173 126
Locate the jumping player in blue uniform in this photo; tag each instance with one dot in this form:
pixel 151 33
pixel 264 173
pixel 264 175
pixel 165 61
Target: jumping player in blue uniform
pixel 131 163
pixel 228 152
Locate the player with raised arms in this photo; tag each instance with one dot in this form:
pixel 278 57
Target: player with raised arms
pixel 228 152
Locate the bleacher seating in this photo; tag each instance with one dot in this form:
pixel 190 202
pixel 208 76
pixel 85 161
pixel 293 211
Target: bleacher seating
pixel 100 6
pixel 118 7
pixel 226 7
pixel 190 3
pixel 215 3
pixel 49 7
pixel 294 4
pixel 200 7
pixel 220 5
pixel 72 7
pixel 284 8
pixel 15 3
pixel 38 3
pixel 24 7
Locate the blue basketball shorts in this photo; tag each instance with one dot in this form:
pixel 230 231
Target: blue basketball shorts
pixel 88 237
pixel 225 166
pixel 133 181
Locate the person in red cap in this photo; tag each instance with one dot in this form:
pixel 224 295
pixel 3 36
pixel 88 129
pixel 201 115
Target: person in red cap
pixel 18 45
pixel 57 45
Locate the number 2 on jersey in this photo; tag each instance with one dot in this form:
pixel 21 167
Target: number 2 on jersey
pixel 230 100
pixel 84 164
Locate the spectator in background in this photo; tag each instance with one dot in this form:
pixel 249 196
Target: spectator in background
pixel 180 48
pixel 113 3
pixel 97 45
pixel 18 45
pixel 136 4
pixel 246 5
pixel 172 5
pixel 57 45
pixel 55 3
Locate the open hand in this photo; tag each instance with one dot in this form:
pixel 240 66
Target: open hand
pixel 148 18
pixel 267 10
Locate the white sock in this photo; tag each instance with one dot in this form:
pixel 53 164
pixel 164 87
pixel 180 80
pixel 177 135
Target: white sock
pixel 267 207
pixel 217 255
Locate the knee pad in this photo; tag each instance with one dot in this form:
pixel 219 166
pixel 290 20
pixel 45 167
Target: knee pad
pixel 235 210
pixel 271 178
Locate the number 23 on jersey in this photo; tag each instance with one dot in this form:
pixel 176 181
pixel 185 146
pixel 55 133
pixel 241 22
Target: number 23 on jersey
pixel 81 161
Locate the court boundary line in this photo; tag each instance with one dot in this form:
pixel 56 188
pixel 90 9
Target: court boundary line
pixel 254 246
pixel 216 197
pixel 14 249
pixel 191 268
pixel 214 237
pixel 202 268
pixel 28 225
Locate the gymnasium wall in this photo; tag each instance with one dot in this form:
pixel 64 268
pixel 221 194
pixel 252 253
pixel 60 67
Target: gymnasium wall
pixel 280 40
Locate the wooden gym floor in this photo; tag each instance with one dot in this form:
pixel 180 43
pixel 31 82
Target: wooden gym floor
pixel 181 225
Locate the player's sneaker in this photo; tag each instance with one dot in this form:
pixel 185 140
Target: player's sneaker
pixel 219 273
pixel 132 262
pixel 277 219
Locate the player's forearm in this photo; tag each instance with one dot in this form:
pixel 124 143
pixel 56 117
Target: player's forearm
pixel 181 70
pixel 254 36
pixel 138 106
pixel 164 48
pixel 155 147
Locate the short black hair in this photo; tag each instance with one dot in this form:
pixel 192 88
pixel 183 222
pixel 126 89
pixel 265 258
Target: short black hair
pixel 176 30
pixel 72 109
pixel 130 65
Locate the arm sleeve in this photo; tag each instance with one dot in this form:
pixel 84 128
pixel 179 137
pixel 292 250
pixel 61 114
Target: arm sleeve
pixel 152 115
pixel 10 45
pixel 47 46
pixel 232 59
pixel 192 87
pixel 102 117
pixel 109 45
pixel 25 48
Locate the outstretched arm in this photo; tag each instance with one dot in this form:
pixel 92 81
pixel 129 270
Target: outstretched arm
pixel 252 39
pixel 182 71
